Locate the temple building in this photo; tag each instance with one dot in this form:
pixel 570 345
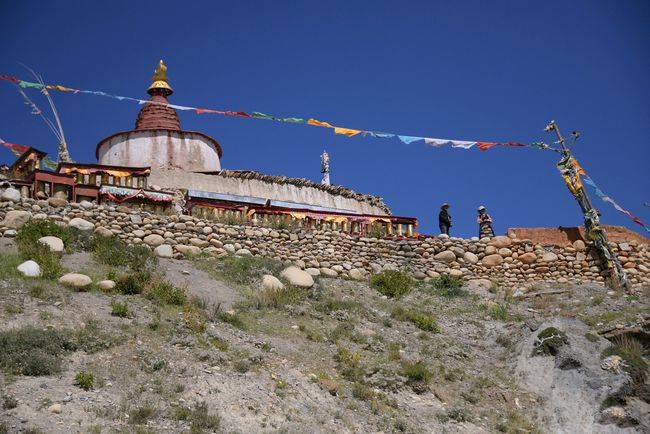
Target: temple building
pixel 160 167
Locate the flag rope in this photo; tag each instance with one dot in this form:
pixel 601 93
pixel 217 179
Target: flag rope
pixel 348 132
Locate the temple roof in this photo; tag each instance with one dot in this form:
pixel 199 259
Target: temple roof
pixel 155 115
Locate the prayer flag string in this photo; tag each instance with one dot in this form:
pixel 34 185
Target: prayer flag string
pixel 587 180
pixel 349 132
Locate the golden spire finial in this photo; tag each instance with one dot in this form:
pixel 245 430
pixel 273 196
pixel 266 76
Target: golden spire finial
pixel 161 72
pixel 159 79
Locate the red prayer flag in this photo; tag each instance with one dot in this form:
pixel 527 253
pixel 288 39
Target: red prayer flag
pixel 9 78
pixel 484 146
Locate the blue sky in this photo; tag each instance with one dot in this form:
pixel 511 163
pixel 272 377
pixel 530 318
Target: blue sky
pixel 473 70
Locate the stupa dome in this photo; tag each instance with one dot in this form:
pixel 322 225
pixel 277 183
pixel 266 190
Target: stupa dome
pixel 158 140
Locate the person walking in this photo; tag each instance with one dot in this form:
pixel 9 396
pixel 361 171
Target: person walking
pixel 484 223
pixel 444 219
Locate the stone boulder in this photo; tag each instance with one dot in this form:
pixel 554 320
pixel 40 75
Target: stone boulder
pixel 501 241
pixel 455 273
pixel 271 283
pixel 470 257
pixel 298 277
pixel 164 251
pixel 154 240
pixel 445 256
pixel 85 204
pixel 579 245
pixel 81 224
pixel 54 243
pixel 528 258
pixel 16 219
pixel 492 260
pixel 138 233
pixel 106 285
pixel 313 271
pixel 328 272
pixel 187 250
pixel 57 202
pixel 356 274
pixel 549 257
pixel 505 252
pixel 243 252
pixel 10 194
pixel 103 232
pixel 75 280
pixel 30 269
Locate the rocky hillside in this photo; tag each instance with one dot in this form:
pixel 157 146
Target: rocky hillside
pixel 99 336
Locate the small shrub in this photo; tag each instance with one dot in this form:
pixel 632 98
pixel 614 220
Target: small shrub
pixel 133 283
pixel 32 351
pixel 220 344
pixel 244 270
pixel 234 320
pixel 349 364
pixel 448 286
pixel 242 365
pixel 48 261
pixel 499 312
pixel 84 380
pixel 13 309
pixel 514 424
pixel 115 252
pixel 549 341
pixel 29 247
pixel 165 293
pixel 194 318
pixel 180 413
pixel 9 262
pixel 457 414
pixel 416 372
pixel 38 291
pixel 91 338
pixel 9 402
pixel 632 352
pixel 394 351
pixel 140 415
pixel 119 309
pixel 32 231
pixel 376 231
pixel 425 322
pixel 275 298
pixel 392 283
pixel 201 420
pixel 421 320
pixel 362 392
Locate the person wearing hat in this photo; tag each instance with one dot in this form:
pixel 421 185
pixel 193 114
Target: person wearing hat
pixel 484 223
pixel 444 219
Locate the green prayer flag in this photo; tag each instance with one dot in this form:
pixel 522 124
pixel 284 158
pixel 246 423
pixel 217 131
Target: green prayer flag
pixel 27 84
pixel 294 120
pixel 259 115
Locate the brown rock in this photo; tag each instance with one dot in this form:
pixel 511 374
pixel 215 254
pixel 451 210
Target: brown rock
pixel 528 258
pixel 501 241
pixel 492 260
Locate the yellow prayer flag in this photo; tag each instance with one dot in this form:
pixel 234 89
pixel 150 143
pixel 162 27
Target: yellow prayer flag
pixel 346 131
pixel 319 123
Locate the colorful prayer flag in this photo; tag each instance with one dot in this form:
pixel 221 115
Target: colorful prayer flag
pixel 346 131
pixel 319 123
pixel 409 139
pixel 484 146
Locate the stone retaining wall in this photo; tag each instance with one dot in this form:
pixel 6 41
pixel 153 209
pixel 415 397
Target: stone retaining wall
pixel 510 262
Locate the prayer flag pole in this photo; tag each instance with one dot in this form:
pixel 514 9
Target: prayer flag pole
pixel 571 171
